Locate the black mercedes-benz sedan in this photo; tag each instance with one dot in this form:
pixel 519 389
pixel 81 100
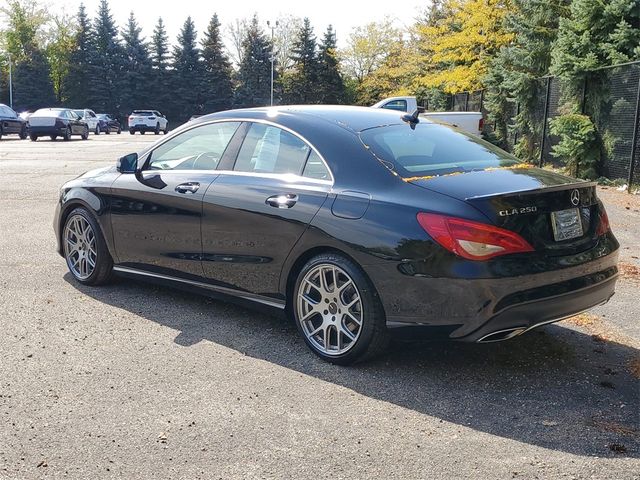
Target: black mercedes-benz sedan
pixel 11 123
pixel 57 122
pixel 356 222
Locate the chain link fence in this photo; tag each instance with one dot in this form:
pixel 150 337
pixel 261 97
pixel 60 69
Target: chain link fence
pixel 611 100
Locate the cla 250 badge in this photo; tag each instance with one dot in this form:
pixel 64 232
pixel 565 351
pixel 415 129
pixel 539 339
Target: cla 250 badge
pixel 517 211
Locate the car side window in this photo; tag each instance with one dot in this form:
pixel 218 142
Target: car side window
pixel 199 148
pixel 268 149
pixel 400 105
pixel 315 168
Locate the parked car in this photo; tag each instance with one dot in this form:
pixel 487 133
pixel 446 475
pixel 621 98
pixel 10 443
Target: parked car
pixel 57 122
pixel 11 123
pixel 25 115
pixel 91 118
pixel 471 122
pixel 147 121
pixel 445 232
pixel 109 124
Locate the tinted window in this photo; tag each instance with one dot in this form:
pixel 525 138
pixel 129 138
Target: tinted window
pixel 268 149
pixel 432 149
pixel 7 112
pixel 400 105
pixel 80 113
pixel 143 113
pixel 200 148
pixel 315 168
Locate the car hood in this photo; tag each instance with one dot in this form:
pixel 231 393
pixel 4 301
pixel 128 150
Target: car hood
pixel 98 172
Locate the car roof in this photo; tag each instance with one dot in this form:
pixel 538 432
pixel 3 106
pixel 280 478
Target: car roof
pixel 354 119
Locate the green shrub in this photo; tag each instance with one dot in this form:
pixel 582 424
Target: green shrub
pixel 578 147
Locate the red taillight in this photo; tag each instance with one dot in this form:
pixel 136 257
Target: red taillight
pixel 472 240
pixel 480 124
pixel 603 221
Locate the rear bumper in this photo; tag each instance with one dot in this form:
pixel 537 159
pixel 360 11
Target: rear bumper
pixel 48 130
pixel 142 128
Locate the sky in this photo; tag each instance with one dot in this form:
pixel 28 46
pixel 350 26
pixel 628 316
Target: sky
pixel 343 15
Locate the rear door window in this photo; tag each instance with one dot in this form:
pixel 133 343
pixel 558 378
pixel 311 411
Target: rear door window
pixel 269 149
pixel 399 105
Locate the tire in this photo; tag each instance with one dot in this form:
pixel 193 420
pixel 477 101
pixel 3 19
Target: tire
pixel 0 133
pixel 97 130
pixel 53 137
pixel 33 137
pixel 67 134
pixel 91 247
pixel 132 132
pixel 23 133
pixel 119 131
pixel 356 295
pixel 166 130
pixel 157 130
pixel 142 132
pixel 107 132
pixel 85 135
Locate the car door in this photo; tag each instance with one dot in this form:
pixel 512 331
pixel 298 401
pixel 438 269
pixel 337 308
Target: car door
pixel 75 122
pixel 254 213
pixel 10 121
pixel 156 213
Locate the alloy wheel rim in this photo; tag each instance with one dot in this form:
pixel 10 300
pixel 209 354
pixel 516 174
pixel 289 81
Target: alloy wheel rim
pixel 329 308
pixel 80 247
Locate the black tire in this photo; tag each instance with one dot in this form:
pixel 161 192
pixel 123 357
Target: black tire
pixel 119 131
pixel 166 130
pixel 53 137
pixel 157 130
pixel 103 271
pixel 33 137
pixel 23 133
pixel 0 133
pixel 131 132
pixel 97 130
pixel 85 135
pixel 142 132
pixel 373 338
pixel 67 134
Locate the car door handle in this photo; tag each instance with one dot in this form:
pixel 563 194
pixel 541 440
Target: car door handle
pixel 189 187
pixel 284 200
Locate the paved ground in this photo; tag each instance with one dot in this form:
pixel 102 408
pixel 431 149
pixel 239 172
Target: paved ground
pixel 135 381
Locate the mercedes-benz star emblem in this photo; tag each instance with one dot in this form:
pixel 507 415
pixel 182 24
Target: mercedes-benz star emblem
pixel 575 197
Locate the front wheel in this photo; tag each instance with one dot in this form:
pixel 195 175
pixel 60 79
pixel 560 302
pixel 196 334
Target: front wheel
pixel 33 137
pixel 132 132
pixel 142 132
pixel 85 250
pixel 157 130
pixel 97 129
pixel 85 135
pixel 337 310
pixel 23 133
pixel 119 131
pixel 66 136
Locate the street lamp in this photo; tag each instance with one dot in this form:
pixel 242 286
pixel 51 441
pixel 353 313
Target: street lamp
pixel 273 53
pixel 10 84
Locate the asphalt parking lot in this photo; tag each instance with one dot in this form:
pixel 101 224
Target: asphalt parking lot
pixel 136 381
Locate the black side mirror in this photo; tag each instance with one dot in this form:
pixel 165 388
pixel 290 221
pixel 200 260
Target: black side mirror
pixel 128 163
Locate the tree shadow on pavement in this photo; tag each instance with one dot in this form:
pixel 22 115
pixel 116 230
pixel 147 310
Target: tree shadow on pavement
pixel 553 387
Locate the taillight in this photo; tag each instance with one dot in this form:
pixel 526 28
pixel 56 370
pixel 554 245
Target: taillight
pixel 472 240
pixel 603 221
pixel 480 124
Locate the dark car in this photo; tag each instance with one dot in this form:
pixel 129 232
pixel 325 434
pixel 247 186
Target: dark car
pixel 356 222
pixel 11 123
pixel 57 122
pixel 109 124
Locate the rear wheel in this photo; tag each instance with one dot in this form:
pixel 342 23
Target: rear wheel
pixel 337 310
pixel 142 132
pixel 33 137
pixel 85 250
pixel 132 132
pixel 157 130
pixel 23 132
pixel 85 135
pixel 119 131
pixel 52 137
pixel 97 129
pixel 66 136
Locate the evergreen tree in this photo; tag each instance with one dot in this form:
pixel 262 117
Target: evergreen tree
pixel 301 83
pixel 254 74
pixel 160 96
pixel 218 88
pixel 330 84
pixel 80 65
pixel 107 64
pixel 188 73
pixel 32 86
pixel 514 73
pixel 136 75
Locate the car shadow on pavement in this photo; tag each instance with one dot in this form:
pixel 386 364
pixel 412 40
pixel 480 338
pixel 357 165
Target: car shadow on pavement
pixel 554 387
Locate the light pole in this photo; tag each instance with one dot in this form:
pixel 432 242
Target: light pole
pixel 10 84
pixel 273 54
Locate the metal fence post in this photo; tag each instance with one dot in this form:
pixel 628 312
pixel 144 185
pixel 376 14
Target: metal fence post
pixel 544 122
pixel 634 140
pixel 466 102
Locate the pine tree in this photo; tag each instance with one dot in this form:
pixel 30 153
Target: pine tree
pixel 188 73
pixel 301 83
pixel 218 88
pixel 79 73
pixel 138 68
pixel 107 64
pixel 514 73
pixel 254 74
pixel 330 83
pixel 160 96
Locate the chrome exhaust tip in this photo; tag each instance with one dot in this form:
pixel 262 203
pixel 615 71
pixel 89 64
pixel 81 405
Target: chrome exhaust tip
pixel 502 335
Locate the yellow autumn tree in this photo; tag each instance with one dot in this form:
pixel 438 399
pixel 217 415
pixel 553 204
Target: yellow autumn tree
pixel 456 50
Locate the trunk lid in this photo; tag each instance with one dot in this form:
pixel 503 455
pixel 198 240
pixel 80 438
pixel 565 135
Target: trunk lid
pixel 543 207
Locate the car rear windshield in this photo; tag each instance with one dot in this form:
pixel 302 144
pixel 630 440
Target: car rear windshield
pixel 432 149
pixel 45 112
pixel 143 113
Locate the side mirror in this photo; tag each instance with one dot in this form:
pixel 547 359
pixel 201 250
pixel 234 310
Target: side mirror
pixel 128 163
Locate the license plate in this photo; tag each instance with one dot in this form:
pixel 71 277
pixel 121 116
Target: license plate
pixel 566 224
